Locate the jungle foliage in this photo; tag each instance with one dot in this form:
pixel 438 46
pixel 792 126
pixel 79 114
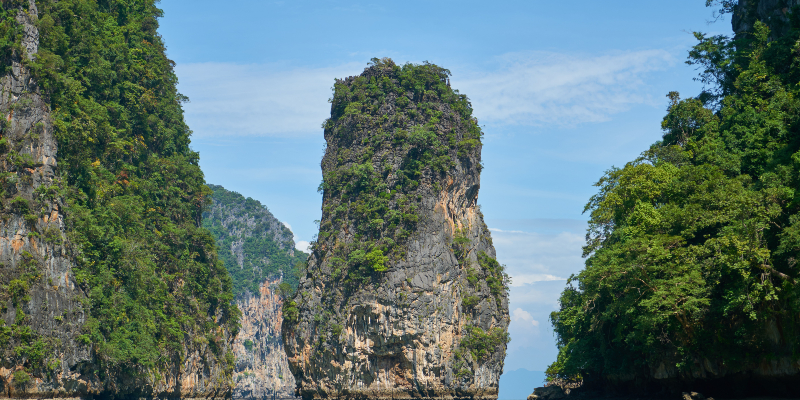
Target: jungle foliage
pixel 133 190
pixel 267 244
pixel 392 128
pixel 692 248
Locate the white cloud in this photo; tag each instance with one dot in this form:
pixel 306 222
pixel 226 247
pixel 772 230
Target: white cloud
pixel 255 99
pixel 522 279
pixel 539 88
pixel 523 88
pixel 520 315
pixel 287 225
pixel 538 257
pixel 302 245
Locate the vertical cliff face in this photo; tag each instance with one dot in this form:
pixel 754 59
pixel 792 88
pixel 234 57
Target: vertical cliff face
pixel 107 286
pixel 41 313
pixel 262 370
pixel 258 251
pixel 402 296
pixel 774 13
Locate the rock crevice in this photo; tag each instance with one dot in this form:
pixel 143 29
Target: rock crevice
pixel 402 297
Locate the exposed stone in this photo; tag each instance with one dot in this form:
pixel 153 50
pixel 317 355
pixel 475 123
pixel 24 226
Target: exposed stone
pixel 34 241
pixel 53 310
pixel 262 370
pixel 549 393
pixel 774 13
pixel 399 335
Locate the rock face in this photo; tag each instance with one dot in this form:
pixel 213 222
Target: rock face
pixel 258 251
pixel 41 306
pixel 44 351
pixel 262 370
pixel 774 13
pixel 402 296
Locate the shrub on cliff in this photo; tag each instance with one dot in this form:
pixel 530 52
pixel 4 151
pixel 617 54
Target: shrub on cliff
pixel 265 244
pixel 409 110
pixel 133 189
pixel 692 247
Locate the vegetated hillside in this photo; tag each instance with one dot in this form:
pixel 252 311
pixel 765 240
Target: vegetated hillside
pixel 109 285
pixel 691 278
pixel 252 243
pixel 258 251
pixel 402 296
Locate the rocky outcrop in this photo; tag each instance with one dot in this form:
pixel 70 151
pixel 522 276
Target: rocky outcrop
pixel 43 350
pixel 258 251
pixel 41 311
pixel 774 13
pixel 402 297
pixel 262 370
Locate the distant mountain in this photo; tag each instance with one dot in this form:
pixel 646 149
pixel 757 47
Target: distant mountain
pixel 258 251
pixel 252 243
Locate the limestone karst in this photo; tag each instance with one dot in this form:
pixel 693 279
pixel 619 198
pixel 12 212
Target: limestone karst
pixel 402 296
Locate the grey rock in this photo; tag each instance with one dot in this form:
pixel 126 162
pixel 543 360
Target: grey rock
pixel 774 13
pixel 263 370
pixel 261 367
pixel 400 335
pixel 551 392
pixel 53 307
pixel 53 310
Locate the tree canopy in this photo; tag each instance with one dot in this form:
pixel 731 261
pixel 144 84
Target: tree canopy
pixel 133 189
pixel 692 248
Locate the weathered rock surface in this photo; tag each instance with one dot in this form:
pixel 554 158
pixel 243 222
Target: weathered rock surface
pixel 262 370
pixel 41 306
pixel 33 250
pixel 258 251
pixel 774 13
pixel 411 331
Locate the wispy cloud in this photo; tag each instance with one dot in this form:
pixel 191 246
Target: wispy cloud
pixel 303 245
pixel 538 257
pixel 521 88
pixel 520 315
pixel 258 100
pixel 538 88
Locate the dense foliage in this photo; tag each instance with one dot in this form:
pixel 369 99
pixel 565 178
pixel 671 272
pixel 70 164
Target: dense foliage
pixel 267 246
pixel 371 188
pixel 692 248
pixel 132 186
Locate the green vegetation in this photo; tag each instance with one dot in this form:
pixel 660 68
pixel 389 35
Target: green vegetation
pixel 692 248
pixel 21 379
pixel 483 344
pixel 370 188
pixel 289 307
pixel 133 190
pixel 469 302
pixel 267 246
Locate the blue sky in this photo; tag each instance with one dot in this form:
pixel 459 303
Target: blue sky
pixel 563 91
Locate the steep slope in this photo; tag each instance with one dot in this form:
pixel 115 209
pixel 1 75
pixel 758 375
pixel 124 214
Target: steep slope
pixel 258 251
pixel 41 306
pixel 691 278
pixel 402 296
pixel 109 285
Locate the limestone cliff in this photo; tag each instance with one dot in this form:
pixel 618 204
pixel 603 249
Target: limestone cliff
pixel 774 13
pixel 262 370
pixel 402 296
pixel 75 321
pixel 42 300
pixel 624 323
pixel 258 251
